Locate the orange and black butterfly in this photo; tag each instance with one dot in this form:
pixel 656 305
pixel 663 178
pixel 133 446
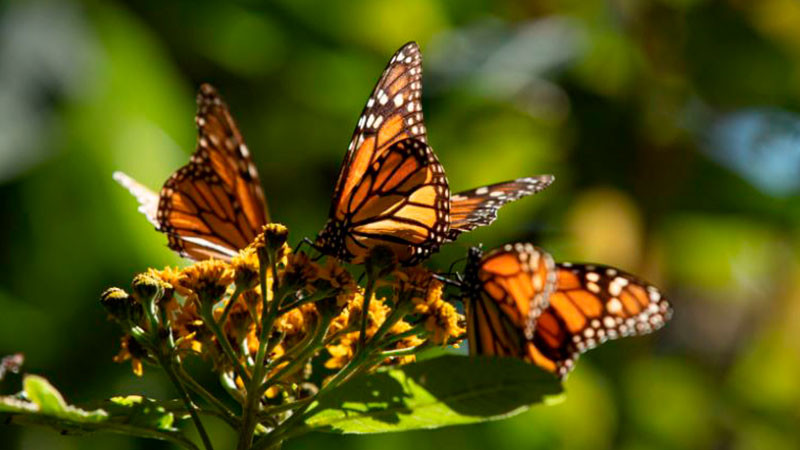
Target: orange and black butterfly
pixel 520 303
pixel 213 206
pixel 392 190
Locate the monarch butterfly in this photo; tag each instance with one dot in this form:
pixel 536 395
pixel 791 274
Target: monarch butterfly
pixel 213 206
pixel 391 188
pixel 520 303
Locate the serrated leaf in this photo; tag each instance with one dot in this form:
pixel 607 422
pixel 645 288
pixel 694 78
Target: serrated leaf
pixel 449 390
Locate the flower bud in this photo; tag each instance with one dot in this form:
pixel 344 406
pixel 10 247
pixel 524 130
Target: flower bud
pixel 271 241
pixel 146 288
pixel 121 306
pixel 275 236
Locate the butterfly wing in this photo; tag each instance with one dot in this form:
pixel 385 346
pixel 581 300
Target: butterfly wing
pixel 213 206
pixel 400 201
pixel 509 288
pixel 370 206
pixel 478 207
pixel 148 200
pixel 593 304
pixel 393 112
pixel 521 304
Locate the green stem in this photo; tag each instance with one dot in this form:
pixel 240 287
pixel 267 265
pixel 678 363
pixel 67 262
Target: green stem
pixel 228 306
pixel 225 414
pixel 208 318
pixel 358 363
pixel 269 314
pixel 368 290
pixel 166 363
pixel 307 352
pixel 296 304
pixel 273 410
pixel 414 330
pixel 403 351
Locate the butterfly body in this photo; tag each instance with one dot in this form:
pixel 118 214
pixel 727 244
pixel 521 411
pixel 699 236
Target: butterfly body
pixel 549 316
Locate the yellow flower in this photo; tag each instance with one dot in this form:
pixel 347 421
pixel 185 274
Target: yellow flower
pixel 121 306
pixel 443 323
pixel 239 323
pixel 131 350
pixel 431 300
pixel 252 298
pixel 342 352
pixel 188 329
pixel 338 277
pixel 170 276
pixel 207 279
pixel 300 270
pixel 273 238
pixel 146 288
pixel 409 342
pixel 296 321
pixel 245 267
pixel 416 277
pixel 443 320
pixel 375 316
pixel 343 348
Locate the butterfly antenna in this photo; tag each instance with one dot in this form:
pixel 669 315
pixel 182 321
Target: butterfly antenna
pixel 450 269
pixel 305 241
pixel 313 245
pixel 448 281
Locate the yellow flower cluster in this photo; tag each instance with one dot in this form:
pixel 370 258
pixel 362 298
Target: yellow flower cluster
pixel 442 321
pixel 344 332
pixel 410 299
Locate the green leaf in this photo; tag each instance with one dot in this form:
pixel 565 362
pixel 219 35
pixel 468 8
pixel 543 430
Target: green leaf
pixel 41 404
pixel 44 399
pixel 449 390
pixel 141 411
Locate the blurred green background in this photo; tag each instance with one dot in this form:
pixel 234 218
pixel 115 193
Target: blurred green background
pixel 672 126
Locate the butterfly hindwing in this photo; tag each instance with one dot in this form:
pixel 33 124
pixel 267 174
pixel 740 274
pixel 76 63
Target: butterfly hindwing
pixel 148 200
pixel 401 201
pixel 591 305
pixel 478 207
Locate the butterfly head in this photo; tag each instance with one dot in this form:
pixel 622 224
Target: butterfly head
pixel 331 240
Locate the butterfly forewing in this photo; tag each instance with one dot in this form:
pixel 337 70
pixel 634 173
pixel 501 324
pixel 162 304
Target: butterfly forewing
pixel 509 288
pixel 393 112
